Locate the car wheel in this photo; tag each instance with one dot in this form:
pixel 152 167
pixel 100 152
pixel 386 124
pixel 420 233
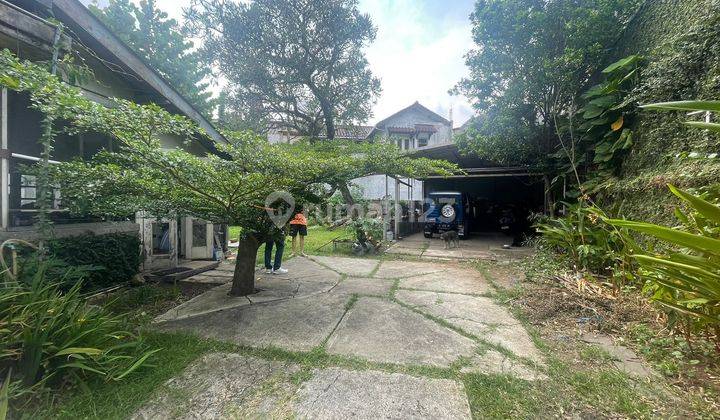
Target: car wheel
pixel 427 235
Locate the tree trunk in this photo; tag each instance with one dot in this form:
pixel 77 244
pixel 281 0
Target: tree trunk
pixel 347 196
pixel 244 275
pixel 329 119
pixel 549 203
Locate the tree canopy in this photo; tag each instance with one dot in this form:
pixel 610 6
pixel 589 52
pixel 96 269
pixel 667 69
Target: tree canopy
pixel 533 59
pixel 163 44
pixel 231 186
pixel 297 65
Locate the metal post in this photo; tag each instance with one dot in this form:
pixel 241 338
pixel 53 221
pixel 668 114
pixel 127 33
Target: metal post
pixel 4 164
pixel 398 209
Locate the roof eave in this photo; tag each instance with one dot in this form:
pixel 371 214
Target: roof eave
pixel 81 16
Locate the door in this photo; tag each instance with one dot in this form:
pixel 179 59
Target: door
pixel 159 241
pixel 198 235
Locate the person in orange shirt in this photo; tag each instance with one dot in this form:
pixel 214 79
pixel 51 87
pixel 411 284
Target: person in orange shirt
pixel 298 225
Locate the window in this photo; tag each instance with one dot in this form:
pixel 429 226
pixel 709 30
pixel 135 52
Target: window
pixel 161 238
pixel 423 139
pixel 28 193
pixel 199 233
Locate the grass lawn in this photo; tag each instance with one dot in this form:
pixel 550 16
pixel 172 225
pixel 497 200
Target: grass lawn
pixel 318 241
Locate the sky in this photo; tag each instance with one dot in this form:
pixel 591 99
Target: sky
pixel 418 52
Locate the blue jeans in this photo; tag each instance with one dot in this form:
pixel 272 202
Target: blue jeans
pixel 279 248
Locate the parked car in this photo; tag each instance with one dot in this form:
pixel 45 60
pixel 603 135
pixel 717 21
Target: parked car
pixel 448 211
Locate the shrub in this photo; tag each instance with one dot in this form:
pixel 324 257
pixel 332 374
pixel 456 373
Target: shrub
pixel 591 244
pixel 687 280
pixel 114 258
pixel 49 337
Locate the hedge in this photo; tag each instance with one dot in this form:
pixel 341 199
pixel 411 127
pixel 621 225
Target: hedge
pixel 115 256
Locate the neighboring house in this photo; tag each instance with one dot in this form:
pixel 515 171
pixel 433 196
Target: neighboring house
pixel 27 30
pixel 279 134
pixel 412 128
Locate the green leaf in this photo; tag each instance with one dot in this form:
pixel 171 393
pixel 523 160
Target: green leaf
pixel 137 364
pixel 677 265
pixel 684 239
pixel 620 64
pixel 703 207
pixel 82 366
pixel 712 106
pixel 79 350
pixel 704 125
pixel 9 82
pixel 592 112
pixel 689 311
pixel 5 397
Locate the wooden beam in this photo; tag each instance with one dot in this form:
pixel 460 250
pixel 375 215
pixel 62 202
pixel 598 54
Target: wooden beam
pixel 80 15
pixel 28 28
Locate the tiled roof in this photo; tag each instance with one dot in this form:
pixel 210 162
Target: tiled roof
pixel 425 128
pixel 401 130
pixel 353 132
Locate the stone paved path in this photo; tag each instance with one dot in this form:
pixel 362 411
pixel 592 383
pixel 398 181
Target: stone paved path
pixel 385 316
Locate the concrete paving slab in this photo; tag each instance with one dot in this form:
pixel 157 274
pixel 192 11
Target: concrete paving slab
pixel 625 359
pixel 405 251
pixel 451 281
pixel 338 394
pixel 215 299
pixel 298 324
pixel 225 385
pixel 226 266
pixel 204 279
pixel 479 316
pixel 301 267
pixel 223 273
pixel 444 253
pixel 494 362
pixel 517 340
pixel 305 279
pixel 400 269
pixel 383 331
pixel 364 286
pixel 356 267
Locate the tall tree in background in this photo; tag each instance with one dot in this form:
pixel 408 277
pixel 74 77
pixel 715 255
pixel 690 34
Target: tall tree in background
pixel 533 59
pixel 297 64
pixel 163 44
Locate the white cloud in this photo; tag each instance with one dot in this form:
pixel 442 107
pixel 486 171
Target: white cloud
pixel 418 53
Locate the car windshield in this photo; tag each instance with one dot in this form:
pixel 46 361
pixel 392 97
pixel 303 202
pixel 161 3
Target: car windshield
pixel 442 200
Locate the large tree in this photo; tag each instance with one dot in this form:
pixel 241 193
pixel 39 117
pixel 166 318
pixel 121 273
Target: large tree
pixel 295 64
pixel 230 188
pixel 532 60
pixel 163 44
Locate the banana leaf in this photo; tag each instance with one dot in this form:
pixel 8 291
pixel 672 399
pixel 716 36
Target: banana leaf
pixel 703 207
pixel 677 237
pixel 712 106
pixel 704 125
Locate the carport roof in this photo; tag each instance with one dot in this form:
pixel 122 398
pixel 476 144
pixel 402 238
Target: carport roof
pixel 472 165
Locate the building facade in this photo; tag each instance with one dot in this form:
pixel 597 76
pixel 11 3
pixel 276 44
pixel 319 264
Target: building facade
pixel 27 29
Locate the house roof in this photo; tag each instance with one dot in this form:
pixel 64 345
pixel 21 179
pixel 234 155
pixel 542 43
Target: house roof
pixel 74 12
pixel 416 107
pixel 353 132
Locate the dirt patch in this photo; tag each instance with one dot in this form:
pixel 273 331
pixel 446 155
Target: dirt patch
pixel 566 308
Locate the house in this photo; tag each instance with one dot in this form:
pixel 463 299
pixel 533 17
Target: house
pixel 27 29
pixel 280 134
pixel 413 128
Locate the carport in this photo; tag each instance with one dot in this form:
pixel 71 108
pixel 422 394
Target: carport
pixel 492 190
